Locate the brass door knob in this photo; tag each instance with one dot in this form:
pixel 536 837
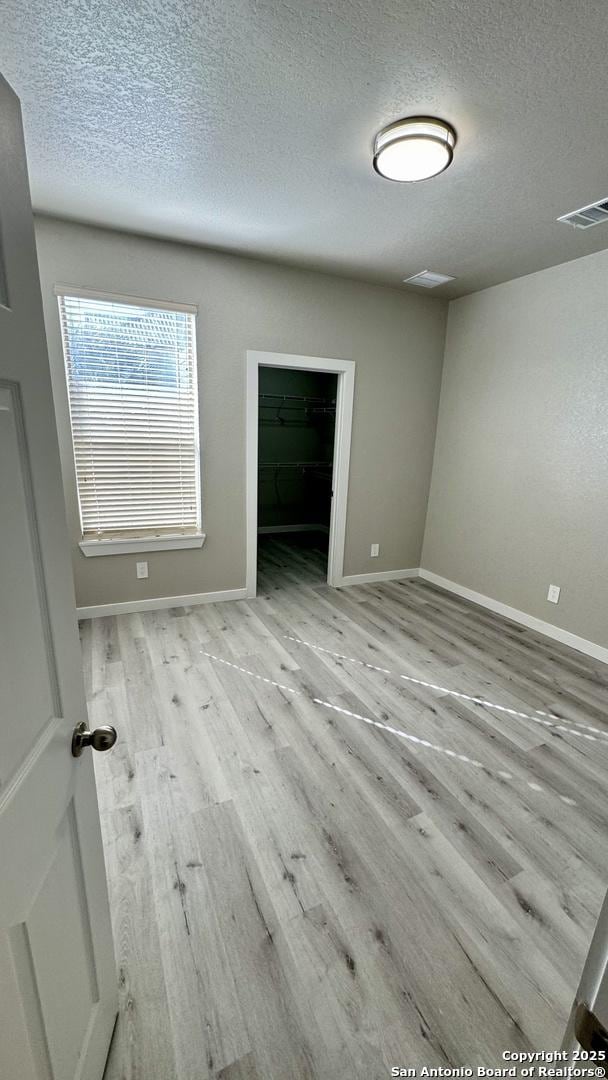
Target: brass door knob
pixel 103 738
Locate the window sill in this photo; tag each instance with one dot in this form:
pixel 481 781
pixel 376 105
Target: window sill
pixel 141 543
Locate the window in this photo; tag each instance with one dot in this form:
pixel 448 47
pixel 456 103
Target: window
pixel 131 376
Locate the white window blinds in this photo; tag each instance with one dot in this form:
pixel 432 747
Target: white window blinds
pixel 131 375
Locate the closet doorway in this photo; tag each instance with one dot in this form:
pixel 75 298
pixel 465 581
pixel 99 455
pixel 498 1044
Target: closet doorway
pixel 299 418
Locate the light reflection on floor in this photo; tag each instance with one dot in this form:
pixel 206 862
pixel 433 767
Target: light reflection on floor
pixel 425 744
pixel 469 697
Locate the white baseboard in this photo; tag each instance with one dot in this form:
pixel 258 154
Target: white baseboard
pixel 583 645
pixel 159 603
pixel 598 652
pixel 379 575
pixel 263 529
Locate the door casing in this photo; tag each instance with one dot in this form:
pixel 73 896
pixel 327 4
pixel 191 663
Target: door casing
pixel 345 370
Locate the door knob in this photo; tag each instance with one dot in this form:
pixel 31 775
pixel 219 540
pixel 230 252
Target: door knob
pixel 103 738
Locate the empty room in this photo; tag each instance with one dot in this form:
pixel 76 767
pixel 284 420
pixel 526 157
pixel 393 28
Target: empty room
pixel 303 540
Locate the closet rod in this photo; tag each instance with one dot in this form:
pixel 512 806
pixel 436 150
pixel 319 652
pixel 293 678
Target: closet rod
pixel 301 420
pixel 300 408
pixel 300 397
pixel 295 465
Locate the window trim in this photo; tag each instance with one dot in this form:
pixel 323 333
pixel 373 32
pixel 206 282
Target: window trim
pixel 126 546
pixel 60 289
pixel 118 545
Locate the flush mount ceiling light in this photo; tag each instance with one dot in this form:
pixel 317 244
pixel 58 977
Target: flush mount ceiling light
pixel 414 149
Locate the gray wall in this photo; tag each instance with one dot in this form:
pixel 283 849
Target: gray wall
pixel 396 339
pixel 519 494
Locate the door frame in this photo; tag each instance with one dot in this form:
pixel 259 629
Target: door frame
pixel 345 370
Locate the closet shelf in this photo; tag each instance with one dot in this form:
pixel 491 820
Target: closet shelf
pixel 303 409
pixel 325 402
pixel 295 465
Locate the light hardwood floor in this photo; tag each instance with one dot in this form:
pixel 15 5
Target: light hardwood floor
pixel 299 893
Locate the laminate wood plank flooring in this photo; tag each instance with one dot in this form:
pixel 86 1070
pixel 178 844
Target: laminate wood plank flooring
pixel 344 829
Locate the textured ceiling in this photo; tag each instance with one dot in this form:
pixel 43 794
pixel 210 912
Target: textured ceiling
pixel 248 125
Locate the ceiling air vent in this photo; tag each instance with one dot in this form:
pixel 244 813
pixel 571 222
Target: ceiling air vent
pixel 428 279
pixel 587 216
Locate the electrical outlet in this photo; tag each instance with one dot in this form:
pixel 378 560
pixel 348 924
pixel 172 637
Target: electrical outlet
pixel 142 569
pixel 375 551
pixel 553 594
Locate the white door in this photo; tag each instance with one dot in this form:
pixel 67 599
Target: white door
pixel 587 1032
pixel 58 999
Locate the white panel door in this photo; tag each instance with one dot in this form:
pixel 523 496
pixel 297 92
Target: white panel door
pixel 58 998
pixel 586 1038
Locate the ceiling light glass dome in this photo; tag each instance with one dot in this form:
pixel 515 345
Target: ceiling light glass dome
pixel 414 149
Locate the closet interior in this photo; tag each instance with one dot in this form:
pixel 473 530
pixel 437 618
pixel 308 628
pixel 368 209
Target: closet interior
pixel 296 425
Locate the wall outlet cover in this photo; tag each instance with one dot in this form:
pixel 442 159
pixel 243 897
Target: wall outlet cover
pixel 375 551
pixel 553 594
pixel 142 569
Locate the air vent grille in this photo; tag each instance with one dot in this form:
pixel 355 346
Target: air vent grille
pixel 587 216
pixel 428 279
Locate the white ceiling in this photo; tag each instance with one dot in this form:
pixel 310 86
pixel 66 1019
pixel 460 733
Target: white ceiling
pixel 248 125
